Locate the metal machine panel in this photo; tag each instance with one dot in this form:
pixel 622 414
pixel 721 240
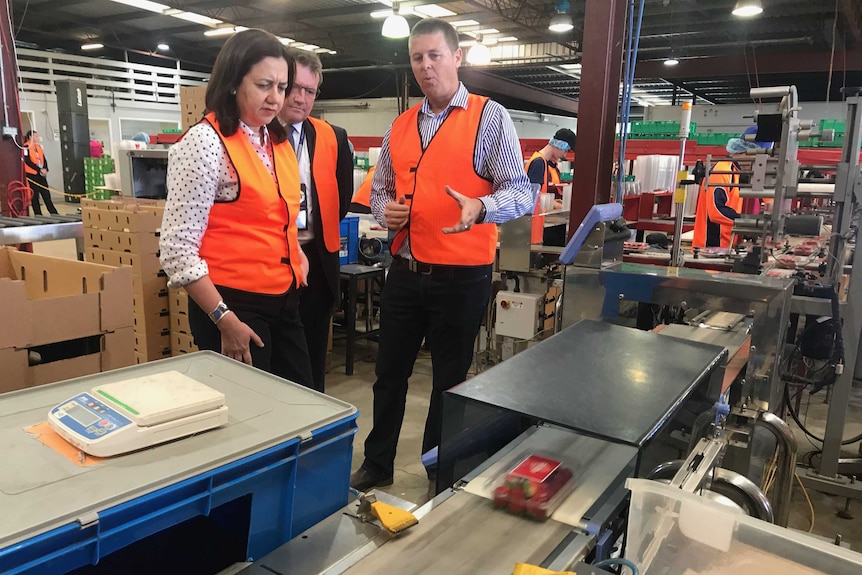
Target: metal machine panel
pixel 602 380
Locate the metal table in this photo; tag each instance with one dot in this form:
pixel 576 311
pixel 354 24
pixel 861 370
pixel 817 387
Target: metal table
pixel 40 228
pixel 352 274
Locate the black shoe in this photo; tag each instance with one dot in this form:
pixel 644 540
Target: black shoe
pixel 363 480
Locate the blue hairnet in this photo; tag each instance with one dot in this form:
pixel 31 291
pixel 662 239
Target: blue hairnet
pixel 738 146
pixel 141 137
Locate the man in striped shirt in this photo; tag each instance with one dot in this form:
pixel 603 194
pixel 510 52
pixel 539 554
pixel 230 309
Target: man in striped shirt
pixel 450 169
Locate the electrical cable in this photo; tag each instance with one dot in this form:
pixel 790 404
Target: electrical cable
pixel 808 499
pixel 832 55
pixel 804 429
pixel 618 561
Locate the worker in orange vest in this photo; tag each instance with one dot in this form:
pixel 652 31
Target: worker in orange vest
pixel 229 233
pixel 326 174
pixel 36 172
pixel 361 202
pixel 542 168
pixel 719 203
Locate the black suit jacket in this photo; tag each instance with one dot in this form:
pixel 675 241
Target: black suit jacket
pixel 344 175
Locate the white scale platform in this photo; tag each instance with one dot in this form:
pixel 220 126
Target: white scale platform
pixel 137 413
pixel 41 490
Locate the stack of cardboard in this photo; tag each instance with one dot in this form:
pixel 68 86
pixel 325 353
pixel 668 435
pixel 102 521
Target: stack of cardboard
pixel 125 232
pixel 192 105
pixel 61 319
pixel 182 340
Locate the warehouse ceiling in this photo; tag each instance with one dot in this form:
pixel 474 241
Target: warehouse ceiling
pixel 720 56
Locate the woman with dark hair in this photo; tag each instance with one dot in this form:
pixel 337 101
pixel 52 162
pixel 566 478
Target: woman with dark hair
pixel 229 233
pixel 36 172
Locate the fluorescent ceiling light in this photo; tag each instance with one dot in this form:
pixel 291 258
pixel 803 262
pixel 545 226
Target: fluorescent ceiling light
pixel 486 31
pixel 671 61
pixel 192 17
pixel 507 39
pixel 221 31
pixel 333 52
pixel 747 8
pixel 570 66
pixel 145 5
pixel 286 41
pixel 396 26
pixel 163 47
pixel 560 23
pixel 467 43
pixel 381 14
pixel 433 11
pixel 462 23
pixel 479 54
pixel 94 46
pixel 307 47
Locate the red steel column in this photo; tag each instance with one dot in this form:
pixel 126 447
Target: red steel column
pixel 601 71
pixel 11 159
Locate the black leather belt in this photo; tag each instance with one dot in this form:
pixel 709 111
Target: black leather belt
pixel 439 269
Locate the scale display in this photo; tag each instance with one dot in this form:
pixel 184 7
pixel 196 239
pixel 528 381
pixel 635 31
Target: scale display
pixel 138 413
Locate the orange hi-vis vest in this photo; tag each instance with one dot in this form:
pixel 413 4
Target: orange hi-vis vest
pixel 422 176
pixel 363 194
pixel 325 183
pixel 250 243
pixel 707 212
pixel 37 156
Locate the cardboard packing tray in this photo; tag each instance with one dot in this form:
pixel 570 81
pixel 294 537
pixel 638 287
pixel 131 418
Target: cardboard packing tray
pixel 47 300
pixel 140 243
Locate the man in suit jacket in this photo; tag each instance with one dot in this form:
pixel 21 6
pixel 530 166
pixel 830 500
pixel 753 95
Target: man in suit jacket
pixel 326 172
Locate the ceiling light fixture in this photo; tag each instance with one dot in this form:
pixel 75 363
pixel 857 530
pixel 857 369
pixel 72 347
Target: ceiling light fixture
pixel 395 26
pixel 672 61
pixel 561 21
pixel 94 46
pixel 145 5
pixel 163 47
pixel 747 8
pixel 479 54
pixel 433 11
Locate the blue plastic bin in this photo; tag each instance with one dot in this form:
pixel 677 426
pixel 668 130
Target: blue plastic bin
pixel 292 486
pixel 349 251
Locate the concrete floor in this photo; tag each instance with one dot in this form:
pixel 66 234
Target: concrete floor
pixel 410 481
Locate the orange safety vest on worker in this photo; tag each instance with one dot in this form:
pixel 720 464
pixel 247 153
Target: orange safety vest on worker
pixel 422 176
pixel 325 183
pixel 362 196
pixel 36 155
pixel 251 242
pixel 718 205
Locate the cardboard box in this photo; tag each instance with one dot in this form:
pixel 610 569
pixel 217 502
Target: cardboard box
pixel 182 343
pixel 141 243
pixel 180 323
pixel 152 323
pixel 124 218
pixel 46 300
pixel 144 304
pixel 153 346
pixel 122 203
pixel 144 265
pixel 179 303
pixel 116 350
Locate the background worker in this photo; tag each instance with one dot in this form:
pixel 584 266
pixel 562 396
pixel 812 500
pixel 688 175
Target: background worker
pixel 450 169
pixel 542 167
pixel 361 201
pixel 719 203
pixel 229 233
pixel 36 172
pixel 326 180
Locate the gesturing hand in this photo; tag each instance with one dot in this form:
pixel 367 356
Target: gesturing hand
pixel 396 214
pixel 470 208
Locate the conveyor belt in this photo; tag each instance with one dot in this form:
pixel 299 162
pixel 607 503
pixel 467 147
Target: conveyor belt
pixel 465 535
pixel 40 228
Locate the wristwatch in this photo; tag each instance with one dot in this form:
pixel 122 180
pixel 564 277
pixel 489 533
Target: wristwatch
pixel 481 217
pixel 219 312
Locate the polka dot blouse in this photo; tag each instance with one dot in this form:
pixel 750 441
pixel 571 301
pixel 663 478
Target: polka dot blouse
pixel 199 174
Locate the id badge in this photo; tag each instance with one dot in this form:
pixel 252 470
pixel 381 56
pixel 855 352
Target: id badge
pixel 302 218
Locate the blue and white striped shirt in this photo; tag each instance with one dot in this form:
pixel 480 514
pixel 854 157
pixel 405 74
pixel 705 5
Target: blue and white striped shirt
pixel 497 157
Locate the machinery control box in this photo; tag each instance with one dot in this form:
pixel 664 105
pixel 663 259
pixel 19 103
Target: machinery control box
pixel 518 314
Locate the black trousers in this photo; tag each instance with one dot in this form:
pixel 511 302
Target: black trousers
pixel 445 308
pixel 39 185
pixel 316 304
pixel 274 318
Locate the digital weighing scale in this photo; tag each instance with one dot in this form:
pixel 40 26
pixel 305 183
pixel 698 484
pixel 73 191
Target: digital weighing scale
pixel 137 413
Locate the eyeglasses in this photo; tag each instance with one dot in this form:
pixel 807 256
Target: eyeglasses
pixel 310 92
